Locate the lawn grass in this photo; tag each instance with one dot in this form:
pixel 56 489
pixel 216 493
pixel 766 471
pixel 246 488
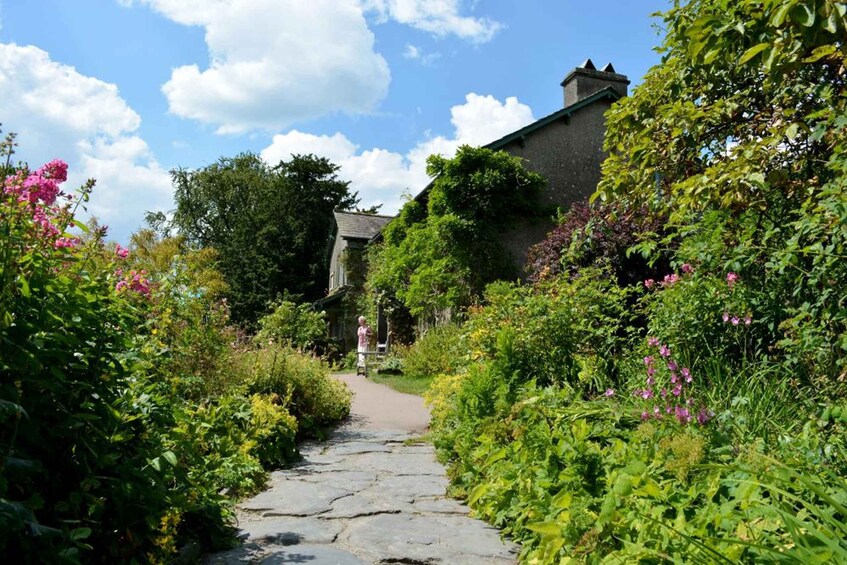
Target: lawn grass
pixel 403 383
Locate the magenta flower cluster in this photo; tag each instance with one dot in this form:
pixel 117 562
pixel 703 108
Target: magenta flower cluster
pixel 135 281
pixel 37 193
pixel 666 392
pixel 670 279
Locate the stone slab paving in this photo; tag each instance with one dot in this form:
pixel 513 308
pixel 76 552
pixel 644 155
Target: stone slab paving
pixel 367 495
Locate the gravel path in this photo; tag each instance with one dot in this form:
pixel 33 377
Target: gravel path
pixel 369 494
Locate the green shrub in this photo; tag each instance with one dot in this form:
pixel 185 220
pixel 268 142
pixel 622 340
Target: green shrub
pixel 314 398
pixel 296 325
pixel 438 350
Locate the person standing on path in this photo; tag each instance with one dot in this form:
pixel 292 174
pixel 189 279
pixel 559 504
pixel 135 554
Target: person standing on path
pixel 364 332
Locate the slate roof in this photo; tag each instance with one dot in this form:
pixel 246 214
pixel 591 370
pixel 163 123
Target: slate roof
pixel 352 225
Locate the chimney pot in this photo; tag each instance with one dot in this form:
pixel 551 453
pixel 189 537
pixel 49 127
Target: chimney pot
pixel 586 80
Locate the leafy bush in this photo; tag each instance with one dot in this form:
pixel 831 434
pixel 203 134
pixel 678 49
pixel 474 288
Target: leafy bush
pixel 125 425
pixel 303 383
pixel 564 331
pixel 296 325
pixel 437 351
pixel 599 235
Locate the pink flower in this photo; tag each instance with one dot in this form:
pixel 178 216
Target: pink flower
pixel 687 374
pixel 682 415
pixel 645 415
pixel 663 392
pixel 648 360
pixel 647 394
pixel 731 279
pixel 120 286
pixel 649 283
pixel 677 390
pixel 704 416
pixel 657 412
pixel 651 371
pixel 734 320
pixel 653 342
pixel 687 268
pixel 120 251
pixel 670 280
pixel 672 366
pixel 748 320
pixel 726 317
pixel 609 392
pixel 665 351
pixel 651 381
pixel 56 169
pixel 674 379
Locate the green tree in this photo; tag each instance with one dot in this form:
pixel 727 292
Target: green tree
pixel 437 259
pixel 743 126
pixel 270 225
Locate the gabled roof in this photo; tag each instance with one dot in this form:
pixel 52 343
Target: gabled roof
pixel 353 225
pixel 607 93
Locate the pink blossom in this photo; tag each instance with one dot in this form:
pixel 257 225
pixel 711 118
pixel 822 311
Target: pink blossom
pixel 649 283
pixel 674 378
pixel 672 366
pixel 687 268
pixel 651 371
pixel 647 393
pixel 686 373
pixel 670 280
pixel 65 242
pixel 726 317
pixel 704 416
pixel 734 320
pixel 653 341
pixel 748 320
pixel 609 392
pixel 663 392
pixel 657 412
pixel 648 360
pixel 645 415
pixel 665 351
pixel 651 381
pixel 683 415
pixel 120 251
pixel 731 279
pixel 677 390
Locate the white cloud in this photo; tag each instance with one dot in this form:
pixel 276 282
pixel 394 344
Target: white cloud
pixel 381 176
pixel 59 113
pixel 275 62
pixel 438 17
pixel 415 53
pixel 412 52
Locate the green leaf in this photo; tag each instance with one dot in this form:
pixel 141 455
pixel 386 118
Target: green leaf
pixel 780 15
pixel 170 458
pixel 804 15
pixel 551 529
pixel 752 52
pixel 478 492
pixel 156 463
pixel 80 533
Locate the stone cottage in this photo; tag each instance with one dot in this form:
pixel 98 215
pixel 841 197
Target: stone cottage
pixel 566 147
pixel 351 232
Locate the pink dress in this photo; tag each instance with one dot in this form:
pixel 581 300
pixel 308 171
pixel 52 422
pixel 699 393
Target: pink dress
pixel 364 333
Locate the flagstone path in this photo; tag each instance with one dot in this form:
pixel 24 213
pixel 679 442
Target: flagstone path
pixel 369 494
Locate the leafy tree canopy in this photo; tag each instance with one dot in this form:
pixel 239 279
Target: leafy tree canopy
pixel 438 256
pixel 740 134
pixel 270 225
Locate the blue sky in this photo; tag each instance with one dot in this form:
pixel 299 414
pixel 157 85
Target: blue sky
pixel 126 90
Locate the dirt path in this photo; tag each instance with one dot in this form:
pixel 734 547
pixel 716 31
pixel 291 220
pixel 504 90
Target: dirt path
pixel 370 494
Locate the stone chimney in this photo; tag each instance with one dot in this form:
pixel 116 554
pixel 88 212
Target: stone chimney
pixel 585 80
